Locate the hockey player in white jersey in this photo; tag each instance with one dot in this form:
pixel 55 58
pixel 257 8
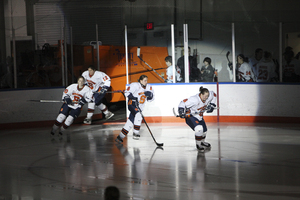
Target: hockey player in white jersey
pixel 256 59
pixel 99 83
pixel 137 93
pixel 265 69
pixel 192 110
pixel 169 73
pixel 74 97
pixel 244 71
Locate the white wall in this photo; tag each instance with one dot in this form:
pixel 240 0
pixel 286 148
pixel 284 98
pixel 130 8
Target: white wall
pixel 236 99
pixel 248 99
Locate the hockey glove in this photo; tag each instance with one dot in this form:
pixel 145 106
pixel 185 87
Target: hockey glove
pixel 149 95
pixel 181 112
pixel 210 108
pixel 103 89
pixel 82 101
pixel 230 65
pixel 68 100
pixel 133 98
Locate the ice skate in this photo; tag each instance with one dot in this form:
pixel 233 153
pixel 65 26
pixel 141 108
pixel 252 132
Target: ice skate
pixel 109 115
pixel 87 121
pixel 52 134
pixel 136 136
pixel 205 144
pixel 119 140
pixel 200 148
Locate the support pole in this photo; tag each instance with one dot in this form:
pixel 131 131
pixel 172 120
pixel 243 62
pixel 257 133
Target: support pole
pixel 62 57
pixel 126 55
pixel 186 53
pixel 233 54
pixel 173 53
pixel 15 59
pixel 66 54
pixel 97 45
pixel 72 55
pixel 280 52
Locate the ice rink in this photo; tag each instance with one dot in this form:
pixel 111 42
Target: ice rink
pixel 246 161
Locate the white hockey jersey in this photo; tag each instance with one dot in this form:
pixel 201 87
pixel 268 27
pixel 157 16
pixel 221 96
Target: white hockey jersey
pixel 75 94
pixel 245 72
pixel 265 71
pixel 253 63
pixel 96 81
pixel 194 104
pixel 137 90
pixel 170 75
pixel 291 68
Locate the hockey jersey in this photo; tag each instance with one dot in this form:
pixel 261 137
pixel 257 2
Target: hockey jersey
pixel 96 81
pixel 75 94
pixel 194 104
pixel 245 73
pixel 137 90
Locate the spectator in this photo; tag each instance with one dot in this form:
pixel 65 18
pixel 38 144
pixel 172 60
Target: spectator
pixel 207 71
pixel 111 193
pixel 193 69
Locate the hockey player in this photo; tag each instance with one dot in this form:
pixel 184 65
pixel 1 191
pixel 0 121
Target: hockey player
pixel 256 59
pixel 192 110
pixel 169 73
pixel 265 69
pixel 74 97
pixel 99 83
pixel 244 71
pixel 137 93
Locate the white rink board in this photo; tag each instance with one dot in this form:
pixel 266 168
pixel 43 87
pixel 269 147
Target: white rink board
pixel 236 99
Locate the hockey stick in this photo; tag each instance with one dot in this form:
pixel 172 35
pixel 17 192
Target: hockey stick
pixel 158 144
pixel 50 101
pixel 47 101
pixel 138 55
pixel 195 113
pixel 227 56
pixel 116 91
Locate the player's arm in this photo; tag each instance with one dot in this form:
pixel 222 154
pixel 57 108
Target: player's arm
pixel 129 92
pixel 66 97
pixel 212 105
pixel 149 94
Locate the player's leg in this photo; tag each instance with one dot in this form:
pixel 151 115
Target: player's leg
pixel 126 128
pixel 90 113
pixel 101 106
pixel 60 118
pixel 74 113
pixel 129 124
pixel 137 125
pixel 108 114
pixel 200 132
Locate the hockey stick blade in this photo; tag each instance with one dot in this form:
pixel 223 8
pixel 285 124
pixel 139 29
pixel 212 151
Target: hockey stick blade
pixel 227 54
pixel 158 144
